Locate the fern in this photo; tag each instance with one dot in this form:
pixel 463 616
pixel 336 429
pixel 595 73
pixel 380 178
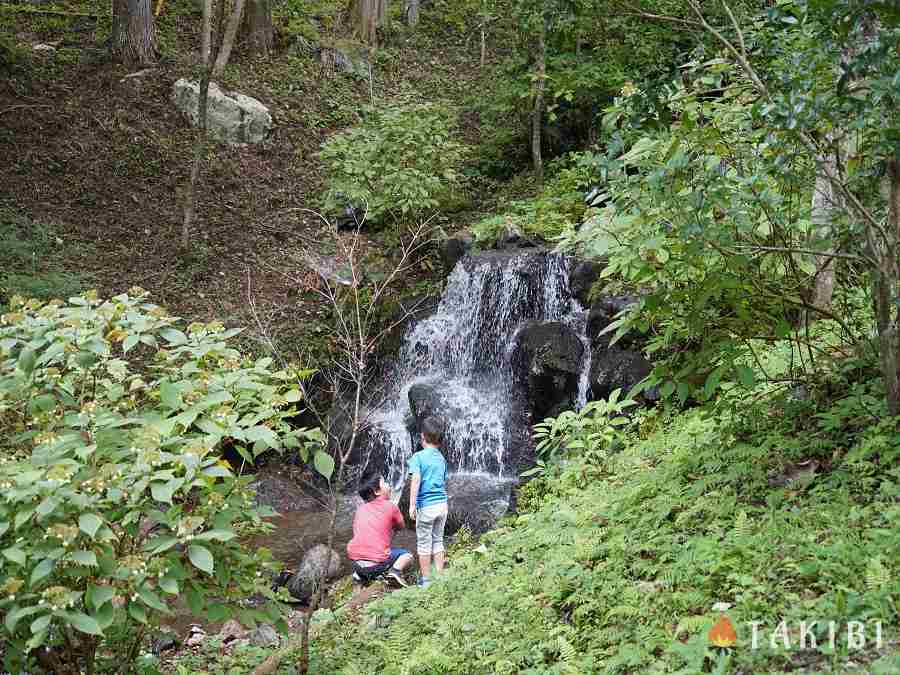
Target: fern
pixel 877 575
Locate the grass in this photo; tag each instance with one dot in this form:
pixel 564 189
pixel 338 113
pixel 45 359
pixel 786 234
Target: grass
pixel 32 260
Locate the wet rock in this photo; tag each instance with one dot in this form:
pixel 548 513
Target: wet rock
pixel 265 635
pixel 455 247
pixel 275 488
pixel 615 368
pixel 344 59
pixel 476 501
pixel 319 564
pixel 196 637
pixel 163 641
pixel 231 117
pixel 548 357
pixel 582 278
pixel 602 314
pixel 510 237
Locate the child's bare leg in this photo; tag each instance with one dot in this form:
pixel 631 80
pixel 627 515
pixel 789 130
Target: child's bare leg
pixel 424 564
pixel 402 562
pixel 438 560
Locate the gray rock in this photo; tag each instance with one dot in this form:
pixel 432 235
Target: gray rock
pixel 454 247
pixel 547 359
pixel 582 277
pixel 231 117
pixel 616 368
pixel 265 635
pixel 602 314
pixel 320 564
pixel 344 60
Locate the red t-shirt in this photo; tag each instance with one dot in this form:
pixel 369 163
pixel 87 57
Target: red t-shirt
pixel 373 527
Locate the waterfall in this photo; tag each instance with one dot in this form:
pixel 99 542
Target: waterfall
pixel 457 363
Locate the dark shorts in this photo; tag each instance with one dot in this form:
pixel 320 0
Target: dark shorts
pixel 372 572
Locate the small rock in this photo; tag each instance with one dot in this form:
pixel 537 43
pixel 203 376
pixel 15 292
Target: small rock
pixel 163 641
pixel 454 247
pixel 232 630
pixel 264 636
pixel 43 47
pixel 197 636
pixel 231 117
pixel 318 563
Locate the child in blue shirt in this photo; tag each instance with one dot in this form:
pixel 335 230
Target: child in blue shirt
pixel 428 499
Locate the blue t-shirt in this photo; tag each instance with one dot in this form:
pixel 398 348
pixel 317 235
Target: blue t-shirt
pixel 431 466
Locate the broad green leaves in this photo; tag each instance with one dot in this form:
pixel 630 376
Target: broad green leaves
pixel 401 159
pixel 126 411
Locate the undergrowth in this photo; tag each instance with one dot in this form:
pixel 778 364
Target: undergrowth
pixel 780 506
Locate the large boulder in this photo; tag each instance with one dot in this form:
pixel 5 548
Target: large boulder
pixel 547 359
pixel 231 117
pixel 602 314
pixel 320 564
pixel 476 501
pixel 582 276
pixel 454 248
pixel 616 368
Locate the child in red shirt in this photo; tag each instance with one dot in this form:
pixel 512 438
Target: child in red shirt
pixel 373 527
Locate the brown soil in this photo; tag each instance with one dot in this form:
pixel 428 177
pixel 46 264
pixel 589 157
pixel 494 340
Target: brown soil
pixel 105 159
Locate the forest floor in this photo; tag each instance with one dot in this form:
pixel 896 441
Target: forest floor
pixel 99 156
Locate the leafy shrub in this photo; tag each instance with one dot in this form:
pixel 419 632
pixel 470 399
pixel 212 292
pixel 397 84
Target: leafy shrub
pixel 402 159
pixel 114 500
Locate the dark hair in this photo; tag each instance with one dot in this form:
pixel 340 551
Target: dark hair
pixel 369 485
pixel 432 430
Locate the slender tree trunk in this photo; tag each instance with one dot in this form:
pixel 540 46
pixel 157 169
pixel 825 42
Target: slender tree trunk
pixel 258 27
pixel 231 31
pixel 483 45
pixel 826 205
pixel 886 288
pixel 201 138
pixel 537 115
pixel 205 30
pixel 368 15
pixel 412 13
pixel 133 32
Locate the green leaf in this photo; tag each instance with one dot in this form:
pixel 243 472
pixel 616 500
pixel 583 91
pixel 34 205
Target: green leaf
pixel 293 396
pixel 201 558
pixel 324 464
pixel 17 614
pixel 130 342
pixel 4 526
pixel 137 612
pixel 216 535
pixel 105 615
pixel 89 523
pixel 83 623
pixel 151 599
pixel 169 395
pixel 261 434
pixel 41 571
pixel 712 381
pixel 162 492
pixel 47 506
pixel 40 623
pixel 86 558
pixel 169 585
pixel 27 359
pixel 746 376
pixel 97 596
pixel 173 336
pixel 160 544
pixel 15 555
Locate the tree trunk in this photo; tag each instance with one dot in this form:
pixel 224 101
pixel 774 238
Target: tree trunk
pixel 826 205
pixel 412 13
pixel 231 31
pixel 368 15
pixel 133 32
pixel 205 31
pixel 537 115
pixel 258 27
pixel 885 289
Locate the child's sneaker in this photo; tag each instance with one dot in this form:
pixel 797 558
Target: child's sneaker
pixel 396 577
pixel 424 582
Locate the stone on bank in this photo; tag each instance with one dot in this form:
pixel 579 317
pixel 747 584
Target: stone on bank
pixel 230 117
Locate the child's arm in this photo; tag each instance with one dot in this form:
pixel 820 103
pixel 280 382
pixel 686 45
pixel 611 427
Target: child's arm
pixel 413 494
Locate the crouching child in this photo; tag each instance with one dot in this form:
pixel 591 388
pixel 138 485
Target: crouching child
pixel 373 528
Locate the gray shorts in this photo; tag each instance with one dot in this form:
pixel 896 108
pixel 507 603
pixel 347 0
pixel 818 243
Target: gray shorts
pixel 430 521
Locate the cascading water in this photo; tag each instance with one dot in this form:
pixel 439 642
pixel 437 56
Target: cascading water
pixel 458 363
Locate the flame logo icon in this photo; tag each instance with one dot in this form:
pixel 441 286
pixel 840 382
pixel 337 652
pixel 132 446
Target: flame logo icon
pixel 722 633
